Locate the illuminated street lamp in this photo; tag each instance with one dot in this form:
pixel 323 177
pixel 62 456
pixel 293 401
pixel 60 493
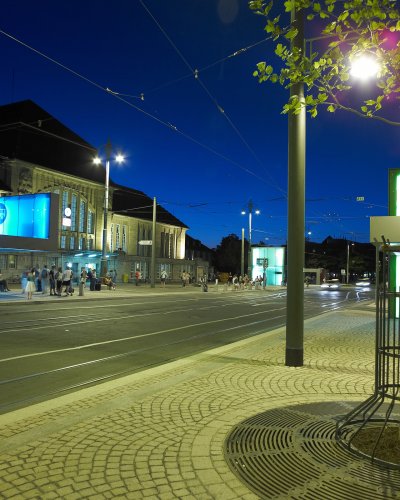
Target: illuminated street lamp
pixel 119 159
pixel 250 207
pixel 364 67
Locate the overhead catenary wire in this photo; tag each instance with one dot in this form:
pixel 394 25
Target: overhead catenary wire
pixel 211 97
pixel 116 95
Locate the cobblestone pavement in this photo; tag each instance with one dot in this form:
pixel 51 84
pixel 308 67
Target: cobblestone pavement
pixel 160 433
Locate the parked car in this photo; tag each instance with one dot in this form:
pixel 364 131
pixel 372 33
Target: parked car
pixel 331 285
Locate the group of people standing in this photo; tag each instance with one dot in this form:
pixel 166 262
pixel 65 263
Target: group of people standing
pixel 244 282
pixel 48 281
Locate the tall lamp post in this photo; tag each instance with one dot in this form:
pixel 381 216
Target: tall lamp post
pixel 250 207
pixel 348 261
pixel 119 159
pixel 296 201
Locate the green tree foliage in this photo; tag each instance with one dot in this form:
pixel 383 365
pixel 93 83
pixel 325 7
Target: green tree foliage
pixel 228 254
pixel 346 30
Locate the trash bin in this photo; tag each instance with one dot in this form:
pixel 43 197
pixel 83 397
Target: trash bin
pixel 81 289
pixel 125 278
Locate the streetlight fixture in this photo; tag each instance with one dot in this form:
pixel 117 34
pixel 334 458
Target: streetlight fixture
pixel 250 207
pixel 97 161
pixel 364 67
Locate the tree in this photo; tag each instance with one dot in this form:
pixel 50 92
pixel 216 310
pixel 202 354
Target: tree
pixel 348 32
pixel 228 254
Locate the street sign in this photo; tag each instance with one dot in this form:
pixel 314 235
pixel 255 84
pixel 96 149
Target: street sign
pixel 145 242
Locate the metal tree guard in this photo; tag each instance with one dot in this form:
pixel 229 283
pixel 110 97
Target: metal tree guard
pixel 378 412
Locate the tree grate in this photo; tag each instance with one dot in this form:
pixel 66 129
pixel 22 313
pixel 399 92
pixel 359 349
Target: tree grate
pixel 293 453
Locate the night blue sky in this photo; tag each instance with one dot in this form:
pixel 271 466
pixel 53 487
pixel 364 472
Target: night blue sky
pixel 231 143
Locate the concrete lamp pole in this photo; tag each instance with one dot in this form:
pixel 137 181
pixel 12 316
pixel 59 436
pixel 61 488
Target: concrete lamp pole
pixel 119 159
pixel 348 261
pixel 250 207
pixel 296 210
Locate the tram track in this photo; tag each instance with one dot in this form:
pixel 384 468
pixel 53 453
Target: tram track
pixel 48 373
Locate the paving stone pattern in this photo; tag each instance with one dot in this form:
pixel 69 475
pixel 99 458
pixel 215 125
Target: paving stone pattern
pixel 161 433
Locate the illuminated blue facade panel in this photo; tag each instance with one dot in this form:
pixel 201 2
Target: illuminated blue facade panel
pixel 275 262
pixel 25 216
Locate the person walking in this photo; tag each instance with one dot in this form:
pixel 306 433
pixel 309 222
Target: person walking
pixel 163 277
pixel 30 285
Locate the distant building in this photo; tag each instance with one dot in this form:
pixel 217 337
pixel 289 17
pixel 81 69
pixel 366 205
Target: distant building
pixel 38 154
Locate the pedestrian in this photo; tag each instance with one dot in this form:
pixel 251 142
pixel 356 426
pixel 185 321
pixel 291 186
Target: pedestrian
pixel 137 277
pixel 216 279
pixel 4 283
pixel 38 279
pixel 52 280
pixel 30 285
pixel 59 280
pixel 44 275
pixel 24 281
pixel 183 278
pixel 93 279
pixel 163 277
pixel 66 281
pixel 84 276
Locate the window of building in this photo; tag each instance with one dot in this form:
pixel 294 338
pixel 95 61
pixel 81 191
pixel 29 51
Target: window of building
pixel 81 243
pixel 63 241
pixel 117 237
pixel 3 261
pixel 90 222
pixel 124 234
pixel 90 244
pixel 82 215
pixel 74 201
pixel 72 242
pixel 64 205
pixel 112 238
pixel 12 262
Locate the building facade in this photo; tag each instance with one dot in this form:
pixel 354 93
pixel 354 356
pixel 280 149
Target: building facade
pixel 38 154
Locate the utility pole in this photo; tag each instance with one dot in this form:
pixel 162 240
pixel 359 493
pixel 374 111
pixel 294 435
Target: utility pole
pixel 296 210
pixel 242 255
pixel 153 247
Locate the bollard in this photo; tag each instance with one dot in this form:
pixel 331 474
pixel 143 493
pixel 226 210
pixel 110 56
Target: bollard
pixel 81 289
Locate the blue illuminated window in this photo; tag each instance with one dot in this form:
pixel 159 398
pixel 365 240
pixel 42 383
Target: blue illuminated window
pixel 112 238
pixel 63 241
pixel 72 242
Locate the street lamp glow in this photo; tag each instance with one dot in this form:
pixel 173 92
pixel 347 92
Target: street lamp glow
pixel 364 67
pixel 97 161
